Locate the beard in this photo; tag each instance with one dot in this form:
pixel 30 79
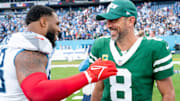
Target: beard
pixel 119 35
pixel 115 38
pixel 115 34
pixel 51 37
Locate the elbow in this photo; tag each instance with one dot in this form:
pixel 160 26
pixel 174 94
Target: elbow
pixel 38 98
pixel 43 96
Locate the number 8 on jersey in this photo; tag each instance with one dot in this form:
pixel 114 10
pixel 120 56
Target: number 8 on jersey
pixel 123 88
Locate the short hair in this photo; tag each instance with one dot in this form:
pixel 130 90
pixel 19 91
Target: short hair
pixel 36 12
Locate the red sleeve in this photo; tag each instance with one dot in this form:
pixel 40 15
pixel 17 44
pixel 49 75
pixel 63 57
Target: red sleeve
pixel 37 87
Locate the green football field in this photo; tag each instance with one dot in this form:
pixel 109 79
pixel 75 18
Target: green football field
pixel 66 72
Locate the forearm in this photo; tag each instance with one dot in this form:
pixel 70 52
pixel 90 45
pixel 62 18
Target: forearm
pixel 98 91
pixel 170 96
pixel 96 96
pixel 38 88
pixel 166 89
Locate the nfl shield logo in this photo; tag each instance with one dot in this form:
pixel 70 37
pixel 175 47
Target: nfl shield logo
pixel 104 57
pixel 119 61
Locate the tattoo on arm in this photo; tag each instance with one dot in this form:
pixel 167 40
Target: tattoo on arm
pixel 28 62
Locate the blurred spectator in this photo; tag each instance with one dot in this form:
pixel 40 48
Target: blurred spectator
pixel 140 33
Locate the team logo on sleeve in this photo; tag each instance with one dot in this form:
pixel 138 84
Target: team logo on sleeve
pixel 39 38
pixel 104 57
pixel 167 47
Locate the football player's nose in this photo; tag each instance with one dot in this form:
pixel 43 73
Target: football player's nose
pixel 58 30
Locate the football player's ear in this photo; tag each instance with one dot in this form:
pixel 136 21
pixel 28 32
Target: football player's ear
pixel 43 22
pixel 131 20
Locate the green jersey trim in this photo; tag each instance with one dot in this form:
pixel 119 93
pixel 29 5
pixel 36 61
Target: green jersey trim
pixel 120 60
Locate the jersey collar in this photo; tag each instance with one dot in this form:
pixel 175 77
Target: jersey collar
pixel 120 60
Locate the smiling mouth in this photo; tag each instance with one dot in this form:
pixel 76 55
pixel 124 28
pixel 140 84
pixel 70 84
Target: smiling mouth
pixel 113 31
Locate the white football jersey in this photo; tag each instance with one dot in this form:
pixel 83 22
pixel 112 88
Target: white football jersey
pixel 10 47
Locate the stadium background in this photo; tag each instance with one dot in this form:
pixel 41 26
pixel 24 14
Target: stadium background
pixel 156 18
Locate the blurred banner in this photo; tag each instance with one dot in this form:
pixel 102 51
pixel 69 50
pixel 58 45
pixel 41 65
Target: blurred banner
pixel 5 5
pixel 106 0
pixel 20 4
pixel 81 1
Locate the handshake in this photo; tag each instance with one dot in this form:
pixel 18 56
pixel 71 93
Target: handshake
pixel 100 70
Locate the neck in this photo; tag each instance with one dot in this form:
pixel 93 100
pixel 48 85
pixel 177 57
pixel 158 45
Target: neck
pixel 33 27
pixel 126 42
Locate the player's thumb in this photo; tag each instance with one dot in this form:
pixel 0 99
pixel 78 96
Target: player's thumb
pixel 112 70
pixel 98 61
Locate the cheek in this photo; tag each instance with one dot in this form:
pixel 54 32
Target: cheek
pixel 53 29
pixel 57 28
pixel 119 27
pixel 49 28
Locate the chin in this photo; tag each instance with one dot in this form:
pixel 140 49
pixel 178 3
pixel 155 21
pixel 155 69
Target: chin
pixel 114 38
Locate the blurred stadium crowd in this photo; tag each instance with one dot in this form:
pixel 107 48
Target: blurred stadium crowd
pixel 154 19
